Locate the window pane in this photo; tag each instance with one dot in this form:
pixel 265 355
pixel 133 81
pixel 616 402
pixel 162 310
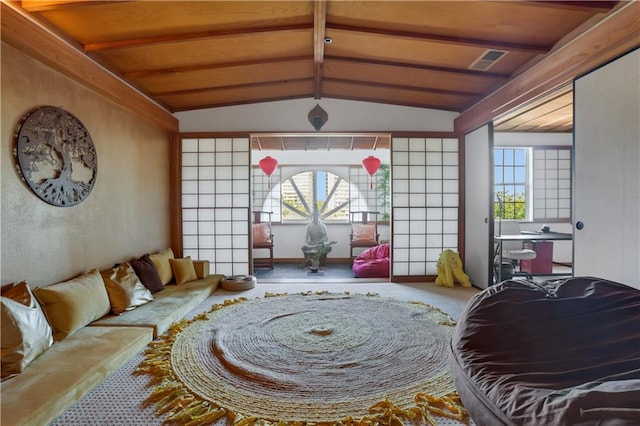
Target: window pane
pixel 509 191
pixel 315 190
pixel 508 156
pixel 510 180
pixel 508 175
pixel 520 157
pixel 497 157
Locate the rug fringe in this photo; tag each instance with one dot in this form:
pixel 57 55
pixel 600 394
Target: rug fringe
pixel 427 406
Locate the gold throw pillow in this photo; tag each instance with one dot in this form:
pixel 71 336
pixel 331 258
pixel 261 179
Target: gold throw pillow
pixel 184 270
pixel 124 288
pixel 161 260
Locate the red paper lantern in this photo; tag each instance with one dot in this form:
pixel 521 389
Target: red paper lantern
pixel 371 164
pixel 268 165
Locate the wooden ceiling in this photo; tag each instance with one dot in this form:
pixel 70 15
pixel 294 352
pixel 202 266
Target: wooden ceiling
pixel 314 142
pixel 551 113
pixel 188 55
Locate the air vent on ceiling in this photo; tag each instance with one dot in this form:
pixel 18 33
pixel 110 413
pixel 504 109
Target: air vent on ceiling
pixel 487 59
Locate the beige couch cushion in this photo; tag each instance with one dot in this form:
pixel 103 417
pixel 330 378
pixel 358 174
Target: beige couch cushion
pixel 72 304
pixel 161 260
pixel 183 270
pixel 66 372
pixel 25 332
pixel 169 306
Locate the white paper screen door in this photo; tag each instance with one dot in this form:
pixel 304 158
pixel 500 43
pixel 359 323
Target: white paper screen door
pixel 478 145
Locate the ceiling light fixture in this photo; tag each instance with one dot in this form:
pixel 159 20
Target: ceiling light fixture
pixel 327 40
pixel 317 117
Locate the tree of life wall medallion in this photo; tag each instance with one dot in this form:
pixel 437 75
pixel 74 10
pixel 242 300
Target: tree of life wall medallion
pixel 56 156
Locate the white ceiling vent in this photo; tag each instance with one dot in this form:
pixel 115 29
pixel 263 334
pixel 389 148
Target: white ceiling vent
pixel 487 59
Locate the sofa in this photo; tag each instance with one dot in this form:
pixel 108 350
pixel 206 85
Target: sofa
pixel 92 325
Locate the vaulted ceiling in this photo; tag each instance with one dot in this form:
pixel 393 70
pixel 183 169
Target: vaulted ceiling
pixel 447 55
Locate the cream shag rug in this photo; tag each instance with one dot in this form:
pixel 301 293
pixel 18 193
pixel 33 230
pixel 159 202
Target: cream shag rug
pixel 307 358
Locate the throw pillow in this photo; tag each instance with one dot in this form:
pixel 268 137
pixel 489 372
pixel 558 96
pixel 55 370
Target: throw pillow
pixel 25 333
pixel 161 260
pixel 364 232
pixel 184 270
pixel 147 272
pixel 70 305
pixel 125 290
pixel 261 234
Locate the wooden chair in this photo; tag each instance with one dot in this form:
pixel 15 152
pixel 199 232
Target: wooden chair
pixel 262 238
pixel 364 233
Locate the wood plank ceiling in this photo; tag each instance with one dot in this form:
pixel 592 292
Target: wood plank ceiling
pixel 446 55
pixel 311 142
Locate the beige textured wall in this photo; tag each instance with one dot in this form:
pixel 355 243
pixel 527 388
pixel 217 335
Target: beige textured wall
pixel 125 215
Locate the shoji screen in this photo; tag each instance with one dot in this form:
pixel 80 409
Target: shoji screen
pixel 266 192
pixel 215 202
pixel 425 203
pixel 364 193
pixel 552 184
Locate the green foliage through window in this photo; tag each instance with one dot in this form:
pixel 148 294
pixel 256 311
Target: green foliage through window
pixel 510 182
pixel 383 187
pixel 514 206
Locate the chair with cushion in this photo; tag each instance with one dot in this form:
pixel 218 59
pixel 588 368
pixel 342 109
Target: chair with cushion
pixel 364 233
pixel 513 252
pixel 262 238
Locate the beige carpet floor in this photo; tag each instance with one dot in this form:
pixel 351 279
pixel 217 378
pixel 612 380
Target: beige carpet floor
pixel 119 399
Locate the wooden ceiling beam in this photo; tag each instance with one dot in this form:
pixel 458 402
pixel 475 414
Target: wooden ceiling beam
pixel 149 41
pixel 241 102
pixel 319 23
pixel 234 86
pixel 402 87
pixel 483 74
pixel 46 5
pixel 378 100
pixel 435 38
pixel 616 34
pixel 174 70
pixel 26 34
pixel 585 6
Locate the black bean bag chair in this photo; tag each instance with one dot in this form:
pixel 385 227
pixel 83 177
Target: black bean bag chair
pixel 560 353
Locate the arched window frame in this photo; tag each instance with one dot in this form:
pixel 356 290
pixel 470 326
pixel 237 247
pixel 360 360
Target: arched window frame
pixel 272 199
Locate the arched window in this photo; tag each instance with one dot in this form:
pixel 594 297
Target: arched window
pixel 312 190
pixel 294 198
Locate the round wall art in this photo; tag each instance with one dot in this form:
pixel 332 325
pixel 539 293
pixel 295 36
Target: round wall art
pixel 56 156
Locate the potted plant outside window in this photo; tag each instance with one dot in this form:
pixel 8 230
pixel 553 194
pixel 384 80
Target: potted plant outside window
pixel 318 257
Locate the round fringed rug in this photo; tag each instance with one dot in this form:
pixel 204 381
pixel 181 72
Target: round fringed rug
pixel 306 358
